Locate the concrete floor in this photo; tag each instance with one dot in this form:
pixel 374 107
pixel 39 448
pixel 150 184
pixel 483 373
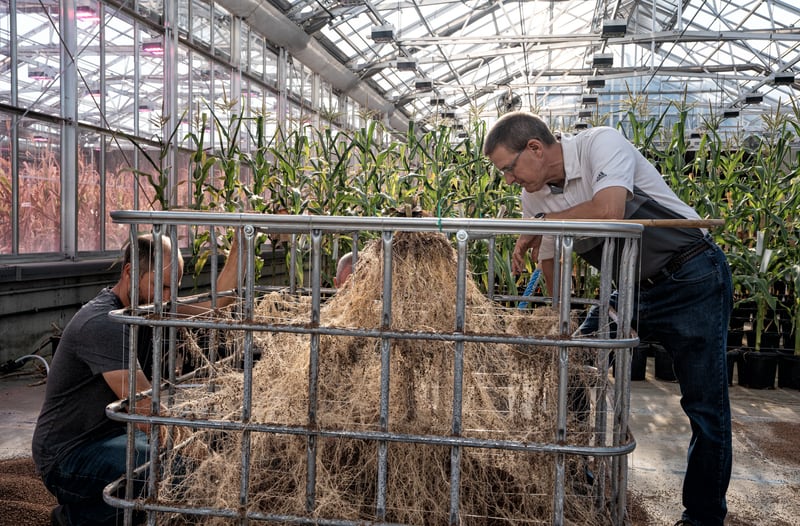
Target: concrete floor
pixel 765 482
pixel 763 490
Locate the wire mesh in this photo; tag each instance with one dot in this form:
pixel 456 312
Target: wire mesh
pixel 407 397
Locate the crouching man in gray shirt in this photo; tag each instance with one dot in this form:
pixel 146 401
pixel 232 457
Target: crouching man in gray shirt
pixel 77 449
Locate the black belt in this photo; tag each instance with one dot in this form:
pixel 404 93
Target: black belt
pixel 678 260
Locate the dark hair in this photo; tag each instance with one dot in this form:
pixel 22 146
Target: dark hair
pixel 147 254
pixel 514 130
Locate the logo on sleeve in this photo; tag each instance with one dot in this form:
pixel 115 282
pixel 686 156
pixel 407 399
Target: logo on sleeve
pixel 600 176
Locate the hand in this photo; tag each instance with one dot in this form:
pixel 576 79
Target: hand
pixel 525 243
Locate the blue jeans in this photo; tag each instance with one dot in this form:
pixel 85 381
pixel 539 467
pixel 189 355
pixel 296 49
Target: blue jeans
pixel 78 480
pixel 688 314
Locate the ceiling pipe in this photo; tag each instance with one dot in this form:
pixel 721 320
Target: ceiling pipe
pixel 281 31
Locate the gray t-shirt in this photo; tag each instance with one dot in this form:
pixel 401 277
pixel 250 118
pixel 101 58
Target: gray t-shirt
pixel 73 412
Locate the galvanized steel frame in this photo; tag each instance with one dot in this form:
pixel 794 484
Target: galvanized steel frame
pixel 160 316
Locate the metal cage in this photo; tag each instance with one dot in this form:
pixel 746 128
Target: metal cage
pixel 601 447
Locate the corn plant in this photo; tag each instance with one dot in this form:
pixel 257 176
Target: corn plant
pixel 290 155
pixel 641 128
pixel 157 192
pixel 329 181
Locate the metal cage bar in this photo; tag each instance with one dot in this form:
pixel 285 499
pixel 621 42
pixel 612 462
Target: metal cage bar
pixel 613 444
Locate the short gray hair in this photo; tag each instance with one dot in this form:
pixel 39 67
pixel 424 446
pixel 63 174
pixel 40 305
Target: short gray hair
pixel 514 130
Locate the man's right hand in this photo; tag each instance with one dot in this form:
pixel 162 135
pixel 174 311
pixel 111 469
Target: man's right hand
pixel 525 243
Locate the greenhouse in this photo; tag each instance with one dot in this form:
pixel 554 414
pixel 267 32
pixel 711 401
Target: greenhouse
pixel 417 262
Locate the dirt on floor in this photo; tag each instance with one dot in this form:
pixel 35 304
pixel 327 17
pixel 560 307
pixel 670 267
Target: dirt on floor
pixel 24 501
pixel 763 489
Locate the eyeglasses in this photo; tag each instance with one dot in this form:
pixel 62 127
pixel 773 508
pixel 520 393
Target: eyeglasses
pixel 510 168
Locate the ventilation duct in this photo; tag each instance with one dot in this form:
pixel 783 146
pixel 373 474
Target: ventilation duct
pixel 269 21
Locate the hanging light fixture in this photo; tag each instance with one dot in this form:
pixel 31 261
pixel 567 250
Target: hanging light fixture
pixel 596 82
pixel 42 72
pixel 384 33
pixel 423 84
pixel 406 64
pixel 87 11
pixel 94 91
pixel 602 60
pixel 153 47
pixel 753 98
pixel 614 28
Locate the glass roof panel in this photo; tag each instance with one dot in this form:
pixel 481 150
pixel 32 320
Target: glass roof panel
pixel 542 54
pixel 544 51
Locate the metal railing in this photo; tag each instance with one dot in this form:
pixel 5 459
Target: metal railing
pixel 607 445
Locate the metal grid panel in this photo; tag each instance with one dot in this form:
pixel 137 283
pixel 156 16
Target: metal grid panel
pixel 589 417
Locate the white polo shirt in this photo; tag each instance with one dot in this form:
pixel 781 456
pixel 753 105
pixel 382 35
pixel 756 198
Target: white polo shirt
pixel 600 158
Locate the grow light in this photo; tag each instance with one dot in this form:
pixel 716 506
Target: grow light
pixel 406 64
pixel 783 77
pixel 601 60
pixel 423 84
pixel 153 47
pixel 614 28
pixel 384 33
pixel 87 13
pixel 41 72
pixel 596 82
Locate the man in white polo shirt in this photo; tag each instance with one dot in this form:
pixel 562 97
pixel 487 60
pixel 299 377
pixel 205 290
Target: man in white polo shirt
pixel 684 292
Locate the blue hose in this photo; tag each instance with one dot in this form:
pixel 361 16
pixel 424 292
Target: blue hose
pixel 530 288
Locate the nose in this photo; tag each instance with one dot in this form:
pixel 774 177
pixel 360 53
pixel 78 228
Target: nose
pixel 509 177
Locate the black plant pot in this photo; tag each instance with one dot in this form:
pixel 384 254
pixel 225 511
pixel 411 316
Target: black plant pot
pixel 735 338
pixel 757 369
pixel 733 359
pixel 638 363
pixel 750 338
pixel 770 339
pixel 663 365
pixel 744 311
pixel 789 371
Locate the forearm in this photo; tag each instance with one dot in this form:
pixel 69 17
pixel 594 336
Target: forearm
pixel 546 265
pixel 118 382
pixel 608 203
pixel 227 280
